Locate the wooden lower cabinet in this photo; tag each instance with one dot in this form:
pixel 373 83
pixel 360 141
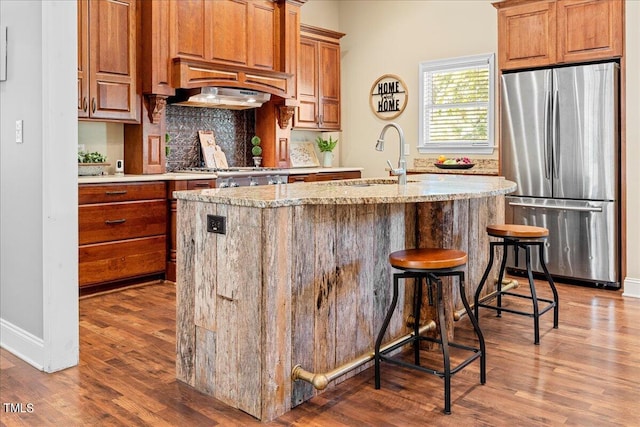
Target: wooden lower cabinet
pixel 324 176
pixel 111 261
pixel 192 184
pixel 122 232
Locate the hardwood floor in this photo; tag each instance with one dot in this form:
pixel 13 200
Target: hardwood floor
pixel 586 373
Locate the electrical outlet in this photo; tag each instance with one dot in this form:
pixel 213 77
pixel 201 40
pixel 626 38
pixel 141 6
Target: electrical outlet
pixel 19 124
pixel 217 224
pixel 80 147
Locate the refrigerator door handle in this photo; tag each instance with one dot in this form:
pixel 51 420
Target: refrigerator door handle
pixel 557 208
pixel 547 150
pixel 554 130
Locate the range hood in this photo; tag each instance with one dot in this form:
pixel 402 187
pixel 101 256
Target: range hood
pixel 222 97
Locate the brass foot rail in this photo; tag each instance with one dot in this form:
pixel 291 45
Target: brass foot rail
pixel 321 380
pixel 507 284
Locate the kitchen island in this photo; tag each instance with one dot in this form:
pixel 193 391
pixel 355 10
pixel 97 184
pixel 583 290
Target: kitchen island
pixel 298 274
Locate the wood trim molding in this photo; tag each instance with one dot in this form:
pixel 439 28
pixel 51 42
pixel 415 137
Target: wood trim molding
pixel 312 31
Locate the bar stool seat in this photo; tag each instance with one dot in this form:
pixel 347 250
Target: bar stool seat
pixel 430 264
pixel 517 231
pixel 519 237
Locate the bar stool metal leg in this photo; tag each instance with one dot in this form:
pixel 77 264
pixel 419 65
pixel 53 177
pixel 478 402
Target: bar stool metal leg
pixel 483 281
pixel 383 329
pixel 417 304
pixel 534 298
pixel 476 328
pixel 552 285
pixel 446 372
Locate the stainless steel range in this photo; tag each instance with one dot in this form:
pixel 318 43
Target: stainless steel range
pixel 242 176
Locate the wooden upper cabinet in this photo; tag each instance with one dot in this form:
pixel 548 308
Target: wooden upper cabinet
pixel 306 115
pixel 234 32
pixel 589 29
pixel 527 35
pixel 329 85
pixel 262 30
pixel 546 32
pixel 83 59
pixel 318 80
pixel 107 60
pixel 190 28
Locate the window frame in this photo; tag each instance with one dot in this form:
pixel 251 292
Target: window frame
pixel 458 147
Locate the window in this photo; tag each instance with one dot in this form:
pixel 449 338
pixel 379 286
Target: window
pixel 457 105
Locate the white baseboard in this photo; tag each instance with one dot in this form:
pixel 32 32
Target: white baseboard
pixel 21 343
pixel 631 288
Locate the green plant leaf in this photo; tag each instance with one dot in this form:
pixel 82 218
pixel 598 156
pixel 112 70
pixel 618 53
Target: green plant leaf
pixel 94 157
pixel 326 145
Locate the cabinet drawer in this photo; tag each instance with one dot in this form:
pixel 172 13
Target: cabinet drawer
pixel 101 193
pixel 104 222
pixel 191 184
pixel 104 262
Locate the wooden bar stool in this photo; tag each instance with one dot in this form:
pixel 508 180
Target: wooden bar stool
pixel 430 264
pixel 519 237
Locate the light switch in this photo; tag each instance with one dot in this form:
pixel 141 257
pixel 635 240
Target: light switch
pixel 19 131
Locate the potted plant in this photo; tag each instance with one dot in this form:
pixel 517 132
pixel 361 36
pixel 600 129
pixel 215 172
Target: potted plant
pixel 326 147
pixel 256 150
pixel 91 163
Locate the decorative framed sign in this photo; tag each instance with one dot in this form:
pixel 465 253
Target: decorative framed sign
pixel 388 97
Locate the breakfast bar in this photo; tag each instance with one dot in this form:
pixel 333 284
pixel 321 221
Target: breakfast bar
pixel 271 278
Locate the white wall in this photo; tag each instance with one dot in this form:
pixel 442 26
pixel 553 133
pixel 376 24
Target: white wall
pixel 38 178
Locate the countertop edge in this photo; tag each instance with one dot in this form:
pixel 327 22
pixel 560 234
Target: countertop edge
pixel 179 176
pixel 428 188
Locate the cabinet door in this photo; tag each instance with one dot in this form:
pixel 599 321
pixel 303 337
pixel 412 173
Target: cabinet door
pixel 307 81
pixel 589 29
pixel 83 58
pixel 189 28
pixel 229 36
pixel 112 60
pixel 329 86
pixel 527 35
pixel 261 27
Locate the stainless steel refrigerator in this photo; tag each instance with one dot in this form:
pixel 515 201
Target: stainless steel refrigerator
pixel 560 144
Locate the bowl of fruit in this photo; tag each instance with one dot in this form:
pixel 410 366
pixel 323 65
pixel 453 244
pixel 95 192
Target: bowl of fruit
pixel 457 163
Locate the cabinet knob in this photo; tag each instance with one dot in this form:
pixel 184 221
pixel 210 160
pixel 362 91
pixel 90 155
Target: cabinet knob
pixel 115 193
pixel 93 105
pixel 84 104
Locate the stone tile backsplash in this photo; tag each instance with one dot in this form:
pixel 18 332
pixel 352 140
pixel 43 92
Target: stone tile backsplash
pixel 233 130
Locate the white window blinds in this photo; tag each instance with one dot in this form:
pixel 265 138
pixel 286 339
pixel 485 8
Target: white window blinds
pixel 457 104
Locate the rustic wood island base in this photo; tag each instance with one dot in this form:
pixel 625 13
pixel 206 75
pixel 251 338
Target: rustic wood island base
pixel 301 276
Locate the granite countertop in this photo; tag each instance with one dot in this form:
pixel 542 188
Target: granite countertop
pixel 419 188
pixel 179 176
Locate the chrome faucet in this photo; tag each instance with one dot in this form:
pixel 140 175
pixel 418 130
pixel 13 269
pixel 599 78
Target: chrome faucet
pixel 401 171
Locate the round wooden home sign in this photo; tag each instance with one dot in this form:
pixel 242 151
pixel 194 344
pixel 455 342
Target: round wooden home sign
pixel 388 97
